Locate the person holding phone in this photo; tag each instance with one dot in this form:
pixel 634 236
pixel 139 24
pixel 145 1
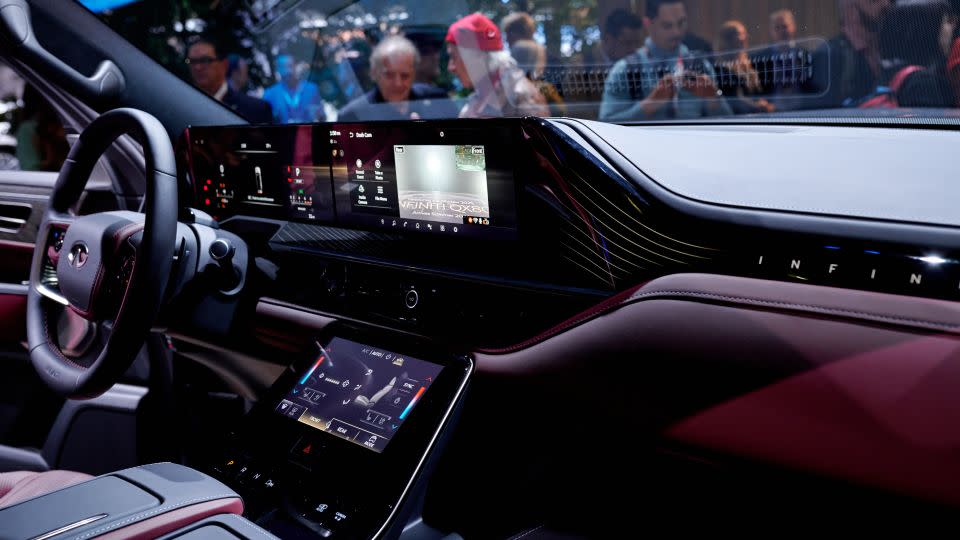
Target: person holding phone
pixel 662 79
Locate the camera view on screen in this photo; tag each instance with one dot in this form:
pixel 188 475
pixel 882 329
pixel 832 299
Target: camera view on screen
pixel 442 183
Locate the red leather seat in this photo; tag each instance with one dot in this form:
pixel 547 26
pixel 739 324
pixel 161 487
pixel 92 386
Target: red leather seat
pixel 19 486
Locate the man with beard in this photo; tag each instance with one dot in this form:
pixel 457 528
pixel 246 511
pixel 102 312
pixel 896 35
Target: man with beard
pixel 846 68
pixel 663 79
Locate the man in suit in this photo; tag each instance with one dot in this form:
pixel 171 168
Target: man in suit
pixel 208 67
pixel 393 66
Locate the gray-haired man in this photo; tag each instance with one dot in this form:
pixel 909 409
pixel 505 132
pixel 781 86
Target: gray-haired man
pixel 393 66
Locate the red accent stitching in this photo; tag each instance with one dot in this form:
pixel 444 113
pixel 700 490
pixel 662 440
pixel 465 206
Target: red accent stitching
pixel 51 345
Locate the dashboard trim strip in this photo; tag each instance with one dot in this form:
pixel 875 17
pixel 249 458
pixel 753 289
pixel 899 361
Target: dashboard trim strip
pixel 883 308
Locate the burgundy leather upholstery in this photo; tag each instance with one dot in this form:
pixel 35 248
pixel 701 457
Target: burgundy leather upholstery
pixel 159 525
pixel 854 385
pixel 19 486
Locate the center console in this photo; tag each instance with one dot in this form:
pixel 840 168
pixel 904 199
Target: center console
pixel 341 443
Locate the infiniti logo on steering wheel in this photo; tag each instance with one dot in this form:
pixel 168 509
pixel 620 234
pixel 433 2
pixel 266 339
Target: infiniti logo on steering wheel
pixel 78 255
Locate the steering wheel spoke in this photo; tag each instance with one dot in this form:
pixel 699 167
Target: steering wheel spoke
pixel 43 277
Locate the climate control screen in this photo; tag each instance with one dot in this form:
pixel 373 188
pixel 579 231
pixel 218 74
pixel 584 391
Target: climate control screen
pixel 359 393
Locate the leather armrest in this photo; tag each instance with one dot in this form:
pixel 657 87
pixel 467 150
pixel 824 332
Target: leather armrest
pixel 140 502
pixel 222 527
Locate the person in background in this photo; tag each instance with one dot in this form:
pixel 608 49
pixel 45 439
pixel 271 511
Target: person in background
pixel 499 87
pixel 912 57
pixel 847 68
pixel 208 67
pixel 352 61
pixel 622 35
pixel 293 101
pixel 393 67
pixel 532 59
pixel 429 47
pixel 518 26
pixel 783 30
pixel 781 64
pixel 238 73
pixel 737 77
pixel 41 140
pixel 662 79
pixel 951 41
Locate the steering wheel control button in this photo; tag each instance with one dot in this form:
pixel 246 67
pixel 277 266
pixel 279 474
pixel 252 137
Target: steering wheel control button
pixel 411 299
pixel 221 250
pixel 58 239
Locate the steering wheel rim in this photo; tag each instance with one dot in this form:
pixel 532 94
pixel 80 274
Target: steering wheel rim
pixel 144 292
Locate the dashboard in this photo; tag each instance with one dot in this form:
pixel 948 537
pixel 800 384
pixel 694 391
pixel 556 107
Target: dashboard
pixel 599 219
pixel 491 232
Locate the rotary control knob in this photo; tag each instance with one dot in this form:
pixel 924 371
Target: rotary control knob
pixel 221 250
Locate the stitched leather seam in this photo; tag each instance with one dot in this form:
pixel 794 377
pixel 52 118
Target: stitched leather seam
pixel 796 306
pixel 640 295
pixel 528 533
pixel 53 346
pixel 150 513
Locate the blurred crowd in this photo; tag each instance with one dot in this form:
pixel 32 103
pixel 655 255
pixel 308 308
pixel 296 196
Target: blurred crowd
pixel 644 66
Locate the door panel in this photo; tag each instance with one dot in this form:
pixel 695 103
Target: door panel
pixel 23 199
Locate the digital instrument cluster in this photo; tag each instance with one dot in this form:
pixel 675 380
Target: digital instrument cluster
pixel 420 177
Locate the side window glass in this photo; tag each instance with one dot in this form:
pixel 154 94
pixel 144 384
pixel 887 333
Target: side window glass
pixel 32 137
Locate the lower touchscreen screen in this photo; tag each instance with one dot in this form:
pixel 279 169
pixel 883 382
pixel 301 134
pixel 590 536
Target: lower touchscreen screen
pixel 359 393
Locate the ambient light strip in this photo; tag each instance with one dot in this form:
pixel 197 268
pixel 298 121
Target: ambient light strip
pixel 413 402
pixel 310 372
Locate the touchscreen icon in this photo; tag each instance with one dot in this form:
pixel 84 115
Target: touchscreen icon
pixel 359 163
pixel 377 163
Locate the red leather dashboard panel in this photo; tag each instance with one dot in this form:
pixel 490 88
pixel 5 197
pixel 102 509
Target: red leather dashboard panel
pixel 850 384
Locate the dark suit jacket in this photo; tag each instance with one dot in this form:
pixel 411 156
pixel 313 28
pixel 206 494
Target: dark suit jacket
pixel 425 100
pixel 256 111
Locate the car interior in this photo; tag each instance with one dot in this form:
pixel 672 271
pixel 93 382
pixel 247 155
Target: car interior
pixel 515 327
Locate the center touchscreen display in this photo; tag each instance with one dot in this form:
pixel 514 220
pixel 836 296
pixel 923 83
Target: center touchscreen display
pixel 359 393
pixel 446 180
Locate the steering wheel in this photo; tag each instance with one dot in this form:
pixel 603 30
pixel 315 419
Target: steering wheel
pixel 109 268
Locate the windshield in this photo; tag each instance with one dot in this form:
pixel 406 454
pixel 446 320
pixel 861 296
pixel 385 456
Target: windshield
pixel 280 61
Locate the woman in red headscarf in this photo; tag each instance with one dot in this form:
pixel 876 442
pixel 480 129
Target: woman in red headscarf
pixel 500 87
